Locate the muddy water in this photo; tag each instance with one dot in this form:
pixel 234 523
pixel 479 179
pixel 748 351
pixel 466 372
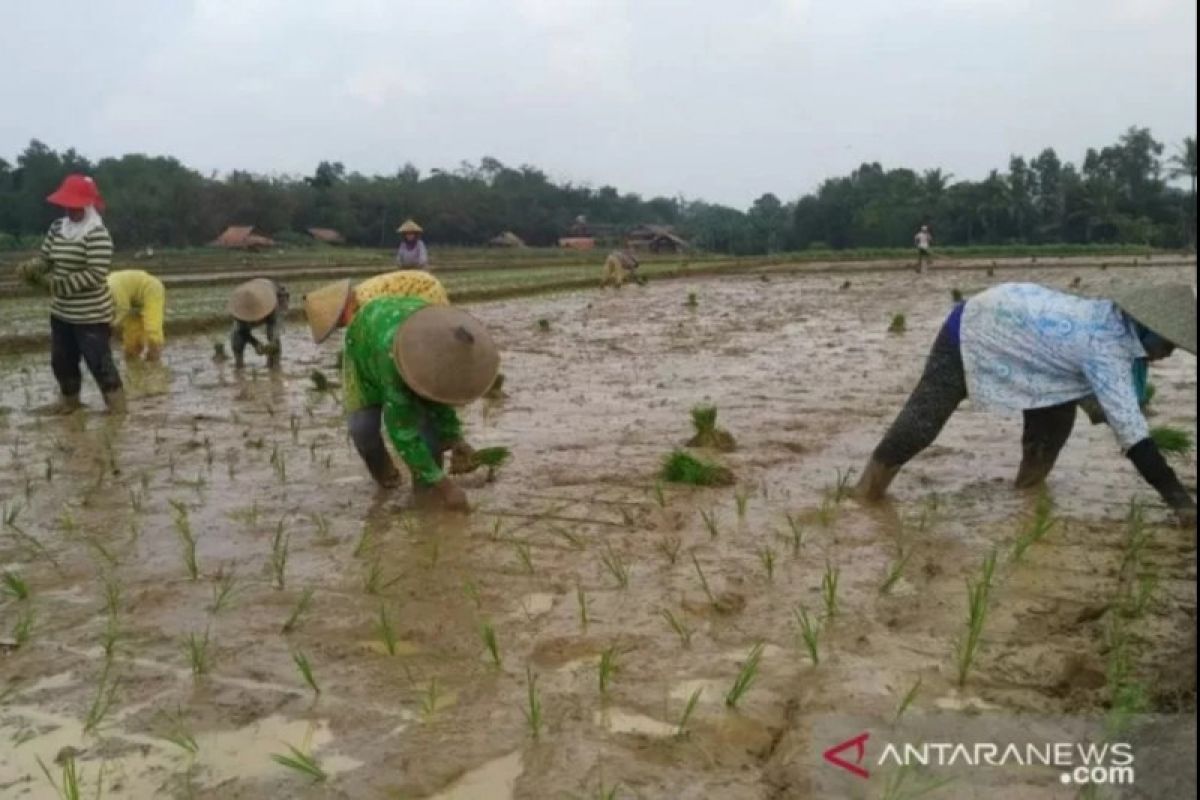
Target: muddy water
pixel 806 378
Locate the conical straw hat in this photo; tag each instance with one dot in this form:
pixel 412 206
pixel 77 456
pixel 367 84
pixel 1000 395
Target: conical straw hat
pixel 253 300
pixel 446 355
pixel 324 307
pixel 410 227
pixel 1168 309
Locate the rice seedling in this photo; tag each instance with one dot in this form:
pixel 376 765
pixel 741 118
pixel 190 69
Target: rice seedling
pixel 896 786
pixel 71 777
pixel 497 526
pixel 692 301
pixel 895 570
pixel 610 792
pixel 321 523
pixel 1172 441
pixel 524 555
pixel 956 295
pixel 199 659
pixel 842 488
pixel 686 716
pixel 1137 536
pixel 703 581
pixel 742 499
pixel 11 512
pixel 219 353
pixel 183 527
pixel 977 603
pixel 491 458
pixel 679 626
pixel 279 463
pixel 471 590
pixel 179 734
pixel 543 325
pixel 615 565
pixel 766 555
pixel 682 467
pixel 374 580
pixel 899 324
pixel 320 381
pixel 607 668
pixel 306 672
pixel 23 628
pixel 669 547
pixel 488 634
pixel 660 496
pixel 907 700
pixel 430 697
pixel 387 633
pixel 573 541
pixel 280 543
pixel 745 677
pixel 707 434
pixel 1140 596
pixel 827 511
pixel 582 601
pixel 533 709
pixel 102 701
pixel 302 763
pixel 710 523
pixel 14 586
pixel 1043 522
pixel 49 471
pixel 110 638
pixel 810 634
pixel 795 534
pixel 112 595
pixel 302 605
pixel 829 587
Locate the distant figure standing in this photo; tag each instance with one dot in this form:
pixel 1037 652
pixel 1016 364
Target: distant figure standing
pixel 412 252
pixel 254 303
pixel 619 265
pixel 139 299
pixel 924 241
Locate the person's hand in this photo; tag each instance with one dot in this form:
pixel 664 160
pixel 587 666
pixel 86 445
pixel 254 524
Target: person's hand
pixel 462 458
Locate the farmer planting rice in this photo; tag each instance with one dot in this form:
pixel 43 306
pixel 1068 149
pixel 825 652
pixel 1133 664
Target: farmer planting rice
pixel 406 364
pixel 619 265
pixel 924 241
pixel 334 306
pixel 412 252
pixel 257 303
pixel 1023 347
pixel 138 302
pixel 73 265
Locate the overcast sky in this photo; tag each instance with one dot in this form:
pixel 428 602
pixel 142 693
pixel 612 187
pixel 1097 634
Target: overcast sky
pixel 713 99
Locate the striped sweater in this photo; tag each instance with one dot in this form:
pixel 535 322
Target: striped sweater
pixel 79 275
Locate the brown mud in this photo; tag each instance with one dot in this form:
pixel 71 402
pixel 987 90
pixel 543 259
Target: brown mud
pixel 806 376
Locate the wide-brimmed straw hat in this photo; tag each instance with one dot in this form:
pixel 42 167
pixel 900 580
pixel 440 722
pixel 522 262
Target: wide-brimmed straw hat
pixel 253 300
pixel 1168 309
pixel 408 226
pixel 324 307
pixel 77 191
pixel 446 355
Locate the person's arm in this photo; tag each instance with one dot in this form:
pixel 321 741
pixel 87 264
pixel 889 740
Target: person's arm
pixel 446 423
pixel 99 249
pixel 400 419
pixel 1113 384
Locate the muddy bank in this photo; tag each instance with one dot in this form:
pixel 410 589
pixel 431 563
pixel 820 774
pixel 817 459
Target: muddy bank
pixel 806 378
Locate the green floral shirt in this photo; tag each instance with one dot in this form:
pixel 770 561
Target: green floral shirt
pixel 370 378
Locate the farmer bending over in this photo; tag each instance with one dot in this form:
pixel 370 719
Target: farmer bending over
pixel 255 303
pixel 1023 347
pixel 619 265
pixel 406 364
pixel 334 306
pixel 138 302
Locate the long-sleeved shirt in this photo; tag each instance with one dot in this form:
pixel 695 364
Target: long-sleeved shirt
pixel 402 283
pixel 370 378
pixel 414 256
pixel 78 272
pixel 136 292
pixel 1025 346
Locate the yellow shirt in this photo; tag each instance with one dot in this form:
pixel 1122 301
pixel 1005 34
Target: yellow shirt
pixel 132 291
pixel 403 283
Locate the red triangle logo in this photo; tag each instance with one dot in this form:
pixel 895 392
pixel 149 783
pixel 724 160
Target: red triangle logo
pixel 859 743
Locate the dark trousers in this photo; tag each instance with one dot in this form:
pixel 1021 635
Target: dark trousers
pixel 942 387
pixel 72 341
pixel 366 431
pixel 242 336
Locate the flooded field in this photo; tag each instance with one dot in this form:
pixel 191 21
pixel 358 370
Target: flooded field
pixel 182 565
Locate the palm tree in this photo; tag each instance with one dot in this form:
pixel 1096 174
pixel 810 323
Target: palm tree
pixel 1183 163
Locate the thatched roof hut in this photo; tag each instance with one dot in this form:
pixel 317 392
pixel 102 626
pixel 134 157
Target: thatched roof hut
pixel 506 239
pixel 656 239
pixel 327 235
pixel 243 237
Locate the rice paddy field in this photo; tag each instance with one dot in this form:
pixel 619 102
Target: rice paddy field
pixel 210 599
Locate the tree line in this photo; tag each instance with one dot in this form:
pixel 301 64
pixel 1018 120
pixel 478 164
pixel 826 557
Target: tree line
pixel 1121 193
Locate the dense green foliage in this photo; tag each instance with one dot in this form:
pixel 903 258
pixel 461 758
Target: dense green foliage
pixel 1119 194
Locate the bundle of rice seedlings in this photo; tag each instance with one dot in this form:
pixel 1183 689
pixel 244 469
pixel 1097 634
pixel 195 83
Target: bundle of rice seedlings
pixel 708 435
pixel 1172 441
pixel 682 467
pixel 899 324
pixel 320 381
pixel 496 392
pixel 491 458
